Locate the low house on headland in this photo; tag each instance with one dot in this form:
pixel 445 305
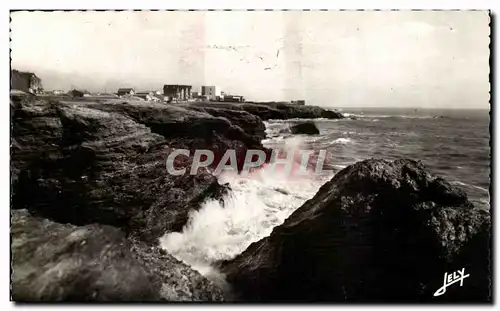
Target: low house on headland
pixel 149 96
pixel 232 98
pixel 76 93
pixel 56 92
pixel 53 93
pixel 125 91
pixel 26 82
pixel 177 92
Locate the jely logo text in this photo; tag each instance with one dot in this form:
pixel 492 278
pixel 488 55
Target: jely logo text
pixel 451 278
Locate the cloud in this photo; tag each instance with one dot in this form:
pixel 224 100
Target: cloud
pixel 322 55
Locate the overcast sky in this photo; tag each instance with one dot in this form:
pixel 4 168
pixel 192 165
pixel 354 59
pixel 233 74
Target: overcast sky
pixel 360 59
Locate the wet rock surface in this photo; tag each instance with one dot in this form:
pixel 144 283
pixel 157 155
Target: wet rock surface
pixel 379 231
pixel 82 165
pixel 197 127
pixel 308 128
pixel 61 262
pixel 249 123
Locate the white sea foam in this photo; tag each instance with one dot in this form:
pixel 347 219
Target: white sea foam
pixel 456 182
pixel 481 188
pixel 375 117
pixel 295 120
pixel 257 203
pixel 342 141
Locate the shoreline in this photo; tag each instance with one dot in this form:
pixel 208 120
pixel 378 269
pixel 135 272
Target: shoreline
pixel 92 164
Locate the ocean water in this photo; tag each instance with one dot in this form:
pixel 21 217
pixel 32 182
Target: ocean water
pixel 453 144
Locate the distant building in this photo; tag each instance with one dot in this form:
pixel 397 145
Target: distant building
pixel 52 93
pixel 177 92
pixel 76 93
pixel 26 81
pixel 195 94
pixel 211 91
pixel 158 98
pixel 163 98
pixel 125 91
pixel 143 93
pixel 149 96
pixel 233 98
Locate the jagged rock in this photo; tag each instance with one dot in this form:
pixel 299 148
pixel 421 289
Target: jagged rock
pixel 308 128
pixel 379 231
pixel 249 123
pixel 182 122
pixel 291 111
pixel 265 112
pixel 80 165
pixel 196 128
pixel 277 110
pixel 61 262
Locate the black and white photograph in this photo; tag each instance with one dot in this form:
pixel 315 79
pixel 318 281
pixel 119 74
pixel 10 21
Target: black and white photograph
pixel 251 156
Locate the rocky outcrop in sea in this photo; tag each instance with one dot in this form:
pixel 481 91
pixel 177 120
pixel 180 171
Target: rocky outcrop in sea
pixel 308 128
pixel 379 231
pixel 277 110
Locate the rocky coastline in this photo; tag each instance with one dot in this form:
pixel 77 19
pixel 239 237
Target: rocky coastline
pixel 378 231
pixel 90 196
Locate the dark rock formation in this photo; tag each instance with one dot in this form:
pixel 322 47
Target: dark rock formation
pixel 308 128
pixel 249 123
pixel 178 122
pixel 291 111
pixel 379 231
pixel 196 127
pixel 267 111
pixel 77 164
pixel 60 262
